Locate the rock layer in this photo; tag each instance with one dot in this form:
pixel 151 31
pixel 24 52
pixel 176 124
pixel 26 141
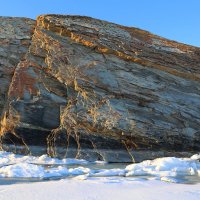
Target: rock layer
pixel 15 38
pixel 97 90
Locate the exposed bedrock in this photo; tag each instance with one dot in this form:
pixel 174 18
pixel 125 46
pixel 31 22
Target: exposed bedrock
pixel 80 87
pixel 15 39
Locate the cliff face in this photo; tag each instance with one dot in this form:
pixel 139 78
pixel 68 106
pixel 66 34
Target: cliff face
pixel 97 90
pixel 15 36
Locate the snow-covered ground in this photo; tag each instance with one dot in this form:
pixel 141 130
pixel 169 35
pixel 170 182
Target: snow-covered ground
pixel 162 178
pixel 100 189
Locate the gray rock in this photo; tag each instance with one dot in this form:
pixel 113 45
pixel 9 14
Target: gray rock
pixel 96 90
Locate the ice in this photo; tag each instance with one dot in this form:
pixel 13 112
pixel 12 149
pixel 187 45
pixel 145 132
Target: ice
pixel 195 157
pixel 110 172
pixel 165 169
pixel 79 171
pixel 7 158
pixel 22 170
pixel 169 179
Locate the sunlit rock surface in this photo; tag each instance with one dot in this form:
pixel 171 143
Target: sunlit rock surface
pixel 15 39
pixel 86 88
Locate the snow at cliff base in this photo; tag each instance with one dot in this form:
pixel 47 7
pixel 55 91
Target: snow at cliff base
pixel 162 178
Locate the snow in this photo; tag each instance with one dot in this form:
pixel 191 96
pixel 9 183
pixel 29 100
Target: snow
pixel 83 180
pixel 195 157
pixel 168 166
pixel 13 166
pixel 7 158
pixel 100 189
pixel 22 170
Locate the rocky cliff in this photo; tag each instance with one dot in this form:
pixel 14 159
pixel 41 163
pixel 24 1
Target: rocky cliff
pixel 81 87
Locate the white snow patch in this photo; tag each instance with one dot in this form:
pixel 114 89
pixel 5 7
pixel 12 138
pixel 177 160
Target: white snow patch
pixel 7 158
pixel 100 189
pixel 22 170
pixel 165 169
pixel 195 157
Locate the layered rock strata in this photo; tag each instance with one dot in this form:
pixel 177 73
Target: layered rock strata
pixel 86 88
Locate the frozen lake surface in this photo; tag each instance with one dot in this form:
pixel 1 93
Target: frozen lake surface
pixel 19 168
pixel 45 178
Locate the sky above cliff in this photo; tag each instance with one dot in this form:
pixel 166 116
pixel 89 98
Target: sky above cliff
pixel 174 19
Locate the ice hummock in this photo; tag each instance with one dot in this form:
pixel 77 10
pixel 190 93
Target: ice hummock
pixel 165 169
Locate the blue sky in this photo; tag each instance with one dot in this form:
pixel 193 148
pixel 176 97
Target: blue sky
pixel 174 19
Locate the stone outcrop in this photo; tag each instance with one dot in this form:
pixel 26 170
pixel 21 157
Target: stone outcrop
pixel 81 87
pixel 15 37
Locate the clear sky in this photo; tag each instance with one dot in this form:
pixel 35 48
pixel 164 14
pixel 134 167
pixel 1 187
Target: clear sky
pixel 174 19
